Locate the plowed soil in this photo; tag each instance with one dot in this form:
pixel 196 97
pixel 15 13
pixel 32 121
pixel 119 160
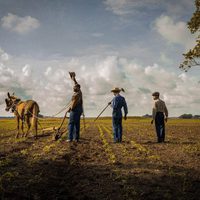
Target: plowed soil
pixel 97 168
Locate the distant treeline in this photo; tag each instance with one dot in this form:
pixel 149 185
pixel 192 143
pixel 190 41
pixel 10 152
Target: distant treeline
pixel 189 116
pixel 9 117
pixel 183 116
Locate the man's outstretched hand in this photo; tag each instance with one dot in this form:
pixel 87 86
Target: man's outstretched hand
pixel 72 75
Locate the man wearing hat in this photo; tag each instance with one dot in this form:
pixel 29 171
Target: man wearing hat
pixel 117 103
pixel 160 115
pixel 75 109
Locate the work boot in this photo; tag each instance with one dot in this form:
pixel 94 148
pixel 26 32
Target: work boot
pixel 57 137
pixel 160 140
pixel 116 141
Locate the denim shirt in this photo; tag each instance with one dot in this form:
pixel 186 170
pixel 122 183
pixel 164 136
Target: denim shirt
pixel 117 103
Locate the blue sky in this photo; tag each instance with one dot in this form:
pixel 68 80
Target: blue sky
pixel 135 44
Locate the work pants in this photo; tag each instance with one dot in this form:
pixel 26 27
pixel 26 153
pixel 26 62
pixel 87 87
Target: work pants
pixel 160 126
pixel 74 125
pixel 117 129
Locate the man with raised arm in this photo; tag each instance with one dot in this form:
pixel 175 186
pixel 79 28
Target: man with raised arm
pixel 75 109
pixel 159 115
pixel 117 103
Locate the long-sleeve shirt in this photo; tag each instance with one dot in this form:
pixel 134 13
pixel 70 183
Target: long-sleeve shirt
pixel 159 106
pixel 76 103
pixel 76 100
pixel 117 103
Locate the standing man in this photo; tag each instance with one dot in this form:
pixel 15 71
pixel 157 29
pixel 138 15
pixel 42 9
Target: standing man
pixel 117 103
pixel 75 109
pixel 160 115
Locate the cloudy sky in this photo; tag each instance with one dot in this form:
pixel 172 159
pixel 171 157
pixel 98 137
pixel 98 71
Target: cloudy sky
pixel 134 44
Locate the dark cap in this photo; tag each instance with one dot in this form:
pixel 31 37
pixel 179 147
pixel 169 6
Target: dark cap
pixel 156 94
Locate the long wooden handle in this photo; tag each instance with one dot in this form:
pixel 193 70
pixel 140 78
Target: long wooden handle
pixel 101 113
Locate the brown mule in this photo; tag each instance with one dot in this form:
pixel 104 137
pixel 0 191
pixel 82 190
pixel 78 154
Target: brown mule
pixel 24 111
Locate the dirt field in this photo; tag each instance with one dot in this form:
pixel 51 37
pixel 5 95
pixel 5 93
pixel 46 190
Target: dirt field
pixel 96 168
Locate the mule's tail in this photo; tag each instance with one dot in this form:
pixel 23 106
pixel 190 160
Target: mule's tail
pixel 35 112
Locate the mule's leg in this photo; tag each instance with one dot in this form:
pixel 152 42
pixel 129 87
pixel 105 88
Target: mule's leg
pixel 17 135
pixel 28 124
pixel 35 112
pixel 36 128
pixel 22 127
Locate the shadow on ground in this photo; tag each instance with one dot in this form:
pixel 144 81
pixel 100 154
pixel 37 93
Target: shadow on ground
pixel 62 180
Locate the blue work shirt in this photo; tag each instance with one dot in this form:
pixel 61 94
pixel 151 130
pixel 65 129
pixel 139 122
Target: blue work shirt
pixel 117 103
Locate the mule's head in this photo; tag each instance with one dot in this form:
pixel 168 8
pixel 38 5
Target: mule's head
pixel 11 102
pixel 8 104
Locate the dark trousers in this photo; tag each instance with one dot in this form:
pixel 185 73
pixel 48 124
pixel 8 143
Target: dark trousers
pixel 74 125
pixel 117 129
pixel 160 126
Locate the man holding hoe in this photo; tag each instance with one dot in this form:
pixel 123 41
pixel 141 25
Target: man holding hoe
pixel 75 109
pixel 117 103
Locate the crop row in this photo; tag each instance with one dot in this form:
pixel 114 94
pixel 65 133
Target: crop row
pixel 106 145
pixel 138 147
pixel 124 149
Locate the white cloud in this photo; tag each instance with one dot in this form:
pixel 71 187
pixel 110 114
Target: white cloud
pixel 118 7
pixel 165 59
pixel 52 88
pixel 174 32
pixel 6 75
pixel 125 7
pixel 48 71
pixel 4 56
pixel 20 25
pixel 27 70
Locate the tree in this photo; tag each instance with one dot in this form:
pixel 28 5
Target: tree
pixel 196 116
pixel 191 58
pixel 186 116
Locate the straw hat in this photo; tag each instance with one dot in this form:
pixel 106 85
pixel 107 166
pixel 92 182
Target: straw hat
pixel 116 89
